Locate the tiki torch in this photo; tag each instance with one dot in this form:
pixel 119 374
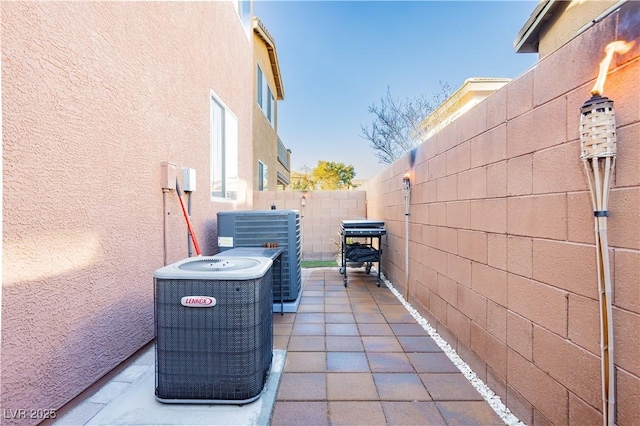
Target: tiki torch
pixel 406 192
pixel 598 152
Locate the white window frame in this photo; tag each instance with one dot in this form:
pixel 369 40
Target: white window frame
pixel 223 159
pixel 263 176
pixel 243 9
pixel 265 97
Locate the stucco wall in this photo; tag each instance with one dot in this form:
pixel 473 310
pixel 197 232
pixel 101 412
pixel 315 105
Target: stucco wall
pixel 264 134
pixel 94 97
pixel 569 18
pixel 320 216
pixel 501 244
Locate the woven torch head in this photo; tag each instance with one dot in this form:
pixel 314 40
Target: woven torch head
pixel 597 128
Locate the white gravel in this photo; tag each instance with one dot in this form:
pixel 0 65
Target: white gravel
pixel 494 400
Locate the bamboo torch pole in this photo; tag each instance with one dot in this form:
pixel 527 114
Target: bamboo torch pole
pixel 598 152
pixel 598 146
pixel 406 192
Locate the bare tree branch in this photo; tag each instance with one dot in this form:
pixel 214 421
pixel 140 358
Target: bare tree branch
pixel 393 131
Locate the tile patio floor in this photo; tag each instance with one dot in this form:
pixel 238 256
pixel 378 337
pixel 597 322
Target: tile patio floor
pixel 348 356
pixel 355 356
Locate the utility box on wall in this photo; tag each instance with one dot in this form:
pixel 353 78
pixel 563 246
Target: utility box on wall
pixel 168 175
pixel 188 179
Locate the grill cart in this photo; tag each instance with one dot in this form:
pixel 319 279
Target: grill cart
pixel 357 246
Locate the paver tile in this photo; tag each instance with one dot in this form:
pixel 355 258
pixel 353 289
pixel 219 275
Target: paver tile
pixel 344 344
pixel 310 308
pixel 375 330
pixel 342 308
pixel 282 329
pixel 294 413
pixel 390 362
pixel 400 387
pixel 310 317
pixel 339 318
pixel 408 329
pixel 432 362
pixel 351 387
pixel 375 318
pixel 412 413
pixel 305 362
pixel 306 343
pixel 304 329
pixel 342 330
pixel 302 387
pixel 381 344
pixel 468 413
pixel 450 387
pixel 347 362
pixel 418 344
pixel 356 413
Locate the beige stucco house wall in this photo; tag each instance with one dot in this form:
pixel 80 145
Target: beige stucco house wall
pixel 471 93
pixel 265 130
pixel 553 23
pixel 95 95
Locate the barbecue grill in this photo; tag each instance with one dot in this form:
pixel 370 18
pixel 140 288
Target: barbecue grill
pixel 357 245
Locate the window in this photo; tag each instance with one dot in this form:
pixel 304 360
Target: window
pixel 265 97
pixel 243 8
pixel 263 176
pixel 224 151
pixel 260 81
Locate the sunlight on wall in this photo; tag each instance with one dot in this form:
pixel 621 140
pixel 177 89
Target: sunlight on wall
pixel 36 257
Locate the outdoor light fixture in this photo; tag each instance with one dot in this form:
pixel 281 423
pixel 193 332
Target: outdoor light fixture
pixel 303 202
pixel 598 153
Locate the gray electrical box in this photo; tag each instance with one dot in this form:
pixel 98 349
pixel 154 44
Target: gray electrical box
pixel 189 179
pixel 168 175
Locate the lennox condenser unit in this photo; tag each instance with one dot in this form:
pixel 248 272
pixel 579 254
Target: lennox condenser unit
pixel 214 329
pixel 254 228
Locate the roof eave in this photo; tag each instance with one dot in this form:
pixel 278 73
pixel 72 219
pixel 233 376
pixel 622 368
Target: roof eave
pixel 261 31
pixel 529 35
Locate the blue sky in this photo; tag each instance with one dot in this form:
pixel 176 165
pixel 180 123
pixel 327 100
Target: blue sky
pixel 337 58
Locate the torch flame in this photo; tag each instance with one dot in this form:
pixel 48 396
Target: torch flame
pixel 618 46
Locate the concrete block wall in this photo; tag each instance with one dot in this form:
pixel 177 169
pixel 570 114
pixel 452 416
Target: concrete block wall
pixel 501 241
pixel 320 216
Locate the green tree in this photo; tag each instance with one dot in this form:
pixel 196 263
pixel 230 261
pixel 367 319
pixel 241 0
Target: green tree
pixel 306 182
pixel 327 175
pixel 331 175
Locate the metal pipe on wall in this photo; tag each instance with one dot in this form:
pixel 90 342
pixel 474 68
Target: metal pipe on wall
pixel 189 245
pixel 164 225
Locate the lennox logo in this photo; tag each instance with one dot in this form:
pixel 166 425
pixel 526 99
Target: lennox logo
pixel 198 301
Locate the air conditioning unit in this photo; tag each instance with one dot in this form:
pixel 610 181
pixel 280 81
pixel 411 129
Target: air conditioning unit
pixel 214 329
pixel 254 228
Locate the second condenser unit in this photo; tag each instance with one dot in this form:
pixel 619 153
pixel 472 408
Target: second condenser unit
pixel 255 228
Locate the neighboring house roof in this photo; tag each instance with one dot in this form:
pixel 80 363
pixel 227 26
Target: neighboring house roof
pixel 261 31
pixel 472 92
pixel 529 35
pixel 546 15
